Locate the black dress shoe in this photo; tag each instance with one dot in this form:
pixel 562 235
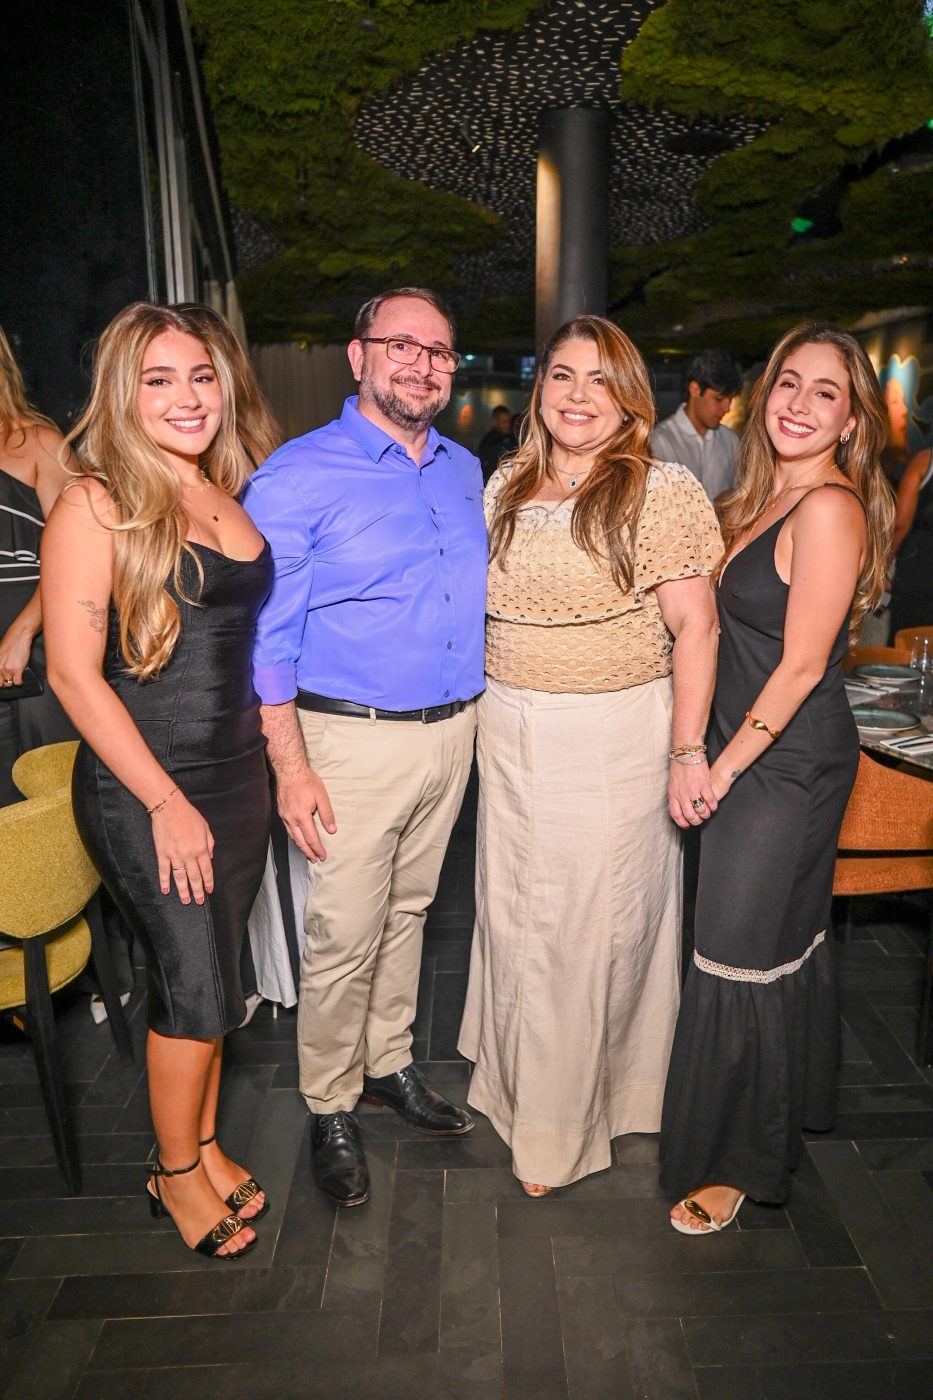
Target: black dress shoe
pixel 416 1102
pixel 337 1158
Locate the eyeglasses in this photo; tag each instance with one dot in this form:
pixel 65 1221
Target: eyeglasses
pixel 408 352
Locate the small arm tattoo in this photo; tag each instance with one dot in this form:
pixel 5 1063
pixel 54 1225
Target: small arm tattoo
pixel 736 773
pixel 97 617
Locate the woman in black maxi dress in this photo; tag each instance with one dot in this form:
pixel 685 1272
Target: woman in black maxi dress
pixel 756 1046
pixel 152 580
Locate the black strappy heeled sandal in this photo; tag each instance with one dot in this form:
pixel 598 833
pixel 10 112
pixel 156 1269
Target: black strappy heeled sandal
pixel 243 1194
pixel 215 1239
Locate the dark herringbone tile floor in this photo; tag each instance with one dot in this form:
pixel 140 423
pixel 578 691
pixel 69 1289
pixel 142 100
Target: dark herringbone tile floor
pixel 449 1284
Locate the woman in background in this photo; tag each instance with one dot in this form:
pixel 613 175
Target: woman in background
pixel 600 654
pixel 153 577
pixel 807 533
pixel 31 479
pixel 912 587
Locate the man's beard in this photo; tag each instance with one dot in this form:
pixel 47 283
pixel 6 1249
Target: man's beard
pixel 398 410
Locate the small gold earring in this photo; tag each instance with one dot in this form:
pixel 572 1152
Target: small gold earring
pixel 845 437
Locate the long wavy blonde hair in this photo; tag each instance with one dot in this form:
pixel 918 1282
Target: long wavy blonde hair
pixel 256 427
pixel 16 412
pixel 859 458
pixel 151 525
pixel 610 500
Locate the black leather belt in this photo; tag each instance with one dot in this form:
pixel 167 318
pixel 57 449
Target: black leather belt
pixel 323 704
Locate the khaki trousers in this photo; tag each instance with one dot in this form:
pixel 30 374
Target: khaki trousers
pixel 396 787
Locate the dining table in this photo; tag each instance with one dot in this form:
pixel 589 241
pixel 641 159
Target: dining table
pixel 889 713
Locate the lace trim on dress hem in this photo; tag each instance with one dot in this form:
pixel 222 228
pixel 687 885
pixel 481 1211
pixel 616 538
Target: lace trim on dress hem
pixel 754 974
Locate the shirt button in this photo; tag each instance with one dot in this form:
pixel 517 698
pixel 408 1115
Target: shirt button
pixel 446 693
pixel 434 510
pixel 446 597
pixel 449 645
pixel 440 551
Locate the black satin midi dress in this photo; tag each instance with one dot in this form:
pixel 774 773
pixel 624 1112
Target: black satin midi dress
pixel 757 1040
pixel 200 717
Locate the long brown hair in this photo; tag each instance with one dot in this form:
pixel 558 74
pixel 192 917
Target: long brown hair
pixel 151 525
pixel 16 412
pixel 256 427
pixel 608 504
pixel 859 458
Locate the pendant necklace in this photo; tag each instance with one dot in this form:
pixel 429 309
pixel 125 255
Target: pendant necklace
pixel 794 486
pixel 205 486
pixel 575 479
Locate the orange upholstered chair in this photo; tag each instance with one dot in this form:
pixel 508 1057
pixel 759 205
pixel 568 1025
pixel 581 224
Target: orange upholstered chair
pixel 867 656
pixel 886 847
pixel 905 638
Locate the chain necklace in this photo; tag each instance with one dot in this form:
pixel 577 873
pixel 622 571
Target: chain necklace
pixel 204 485
pixel 795 486
pixel 575 477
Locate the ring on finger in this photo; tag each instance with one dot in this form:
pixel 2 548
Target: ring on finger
pixel 697 803
pixel 179 869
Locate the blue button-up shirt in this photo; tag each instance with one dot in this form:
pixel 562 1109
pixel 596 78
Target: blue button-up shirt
pixel 380 568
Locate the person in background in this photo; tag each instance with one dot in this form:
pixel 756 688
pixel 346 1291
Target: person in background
pixel 807 534
pixel 695 435
pixel 368 658
pixel 912 587
pixel 152 578
pixel 600 656
pixel 32 476
pixel 498 441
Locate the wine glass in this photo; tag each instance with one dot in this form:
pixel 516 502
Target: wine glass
pixel 922 661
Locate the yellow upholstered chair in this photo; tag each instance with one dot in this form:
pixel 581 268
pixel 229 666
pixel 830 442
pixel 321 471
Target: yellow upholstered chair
pixel 41 771
pixel 48 902
pixel 886 847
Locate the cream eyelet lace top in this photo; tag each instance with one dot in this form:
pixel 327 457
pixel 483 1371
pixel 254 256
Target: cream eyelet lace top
pixel 555 620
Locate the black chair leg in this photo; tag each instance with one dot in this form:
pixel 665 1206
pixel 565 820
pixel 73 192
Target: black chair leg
pixel 107 977
pixel 848 904
pixel 40 1024
pixel 925 1032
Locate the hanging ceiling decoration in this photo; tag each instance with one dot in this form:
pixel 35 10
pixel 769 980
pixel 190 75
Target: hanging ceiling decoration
pixel 467 122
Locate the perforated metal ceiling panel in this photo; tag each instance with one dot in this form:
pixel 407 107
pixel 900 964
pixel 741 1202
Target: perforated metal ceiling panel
pixel 467 122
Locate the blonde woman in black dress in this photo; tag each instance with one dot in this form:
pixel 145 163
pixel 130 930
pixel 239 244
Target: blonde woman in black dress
pixel 31 477
pixel 152 579
pixel 807 533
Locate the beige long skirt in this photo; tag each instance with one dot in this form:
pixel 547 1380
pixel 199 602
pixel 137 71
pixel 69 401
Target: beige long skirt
pixel 575 968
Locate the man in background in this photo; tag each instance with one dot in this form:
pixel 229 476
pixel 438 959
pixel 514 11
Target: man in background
pixel 498 441
pixel 695 435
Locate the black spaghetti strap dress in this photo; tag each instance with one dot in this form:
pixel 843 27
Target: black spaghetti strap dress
pixel 200 717
pixel 756 1046
pixel 40 719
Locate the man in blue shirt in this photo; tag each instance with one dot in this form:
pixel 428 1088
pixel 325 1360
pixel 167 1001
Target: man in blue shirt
pixel 369 654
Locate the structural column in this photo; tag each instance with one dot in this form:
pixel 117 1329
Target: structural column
pixel 572 255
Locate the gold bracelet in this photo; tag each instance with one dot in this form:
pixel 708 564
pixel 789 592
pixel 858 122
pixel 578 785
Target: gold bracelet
pixel 687 749
pixel 687 760
pixel 760 724
pixel 151 811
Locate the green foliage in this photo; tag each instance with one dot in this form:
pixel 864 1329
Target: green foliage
pixel 285 79
pixel 835 82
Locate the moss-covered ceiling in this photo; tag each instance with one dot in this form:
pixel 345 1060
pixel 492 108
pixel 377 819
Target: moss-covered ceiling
pixel 837 84
pixel 823 89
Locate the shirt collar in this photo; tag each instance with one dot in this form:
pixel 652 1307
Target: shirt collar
pixel 684 423
pixel 376 443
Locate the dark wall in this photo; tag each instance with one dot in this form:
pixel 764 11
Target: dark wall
pixel 72 237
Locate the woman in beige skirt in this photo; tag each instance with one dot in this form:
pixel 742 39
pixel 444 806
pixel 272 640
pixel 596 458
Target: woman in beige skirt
pixel 600 655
